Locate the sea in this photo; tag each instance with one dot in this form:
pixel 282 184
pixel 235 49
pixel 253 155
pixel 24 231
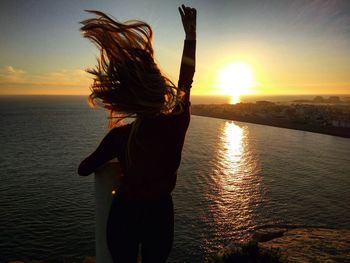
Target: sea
pixel 233 178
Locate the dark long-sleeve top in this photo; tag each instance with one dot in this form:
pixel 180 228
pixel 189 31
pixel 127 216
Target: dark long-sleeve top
pixel 150 170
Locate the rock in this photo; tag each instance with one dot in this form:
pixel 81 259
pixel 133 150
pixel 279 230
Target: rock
pixel 307 244
pixel 89 260
pixel 266 234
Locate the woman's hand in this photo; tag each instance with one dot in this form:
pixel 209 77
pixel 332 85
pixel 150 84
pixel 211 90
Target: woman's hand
pixel 110 167
pixel 188 17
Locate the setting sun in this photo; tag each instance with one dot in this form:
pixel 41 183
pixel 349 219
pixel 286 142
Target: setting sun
pixel 236 80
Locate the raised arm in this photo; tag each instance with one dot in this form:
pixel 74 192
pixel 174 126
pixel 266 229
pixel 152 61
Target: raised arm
pixel 187 69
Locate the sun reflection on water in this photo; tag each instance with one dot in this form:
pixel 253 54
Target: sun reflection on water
pixel 237 182
pixel 232 146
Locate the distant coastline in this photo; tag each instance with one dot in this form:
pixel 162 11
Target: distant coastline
pixel 328 114
pixel 331 119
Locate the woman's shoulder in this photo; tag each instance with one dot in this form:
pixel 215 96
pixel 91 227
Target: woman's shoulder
pixel 181 109
pixel 121 129
pixel 178 118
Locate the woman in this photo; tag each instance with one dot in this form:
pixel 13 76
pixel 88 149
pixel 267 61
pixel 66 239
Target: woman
pixel 128 82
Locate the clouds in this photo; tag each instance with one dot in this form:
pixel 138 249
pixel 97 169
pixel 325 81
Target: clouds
pixel 14 80
pixel 9 74
pixel 63 78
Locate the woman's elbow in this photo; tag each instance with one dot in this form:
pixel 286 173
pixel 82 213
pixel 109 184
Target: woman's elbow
pixel 83 169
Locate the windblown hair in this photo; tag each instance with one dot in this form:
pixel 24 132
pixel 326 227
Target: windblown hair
pixel 127 81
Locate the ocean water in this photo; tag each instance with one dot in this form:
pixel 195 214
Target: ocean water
pixel 233 178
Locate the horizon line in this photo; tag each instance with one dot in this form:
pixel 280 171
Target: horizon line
pixel 198 95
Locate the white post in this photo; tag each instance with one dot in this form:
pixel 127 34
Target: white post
pixel 106 182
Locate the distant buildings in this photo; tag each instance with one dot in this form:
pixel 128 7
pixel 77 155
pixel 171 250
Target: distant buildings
pixel 320 112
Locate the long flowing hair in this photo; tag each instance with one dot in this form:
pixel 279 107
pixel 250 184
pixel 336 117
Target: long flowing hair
pixel 127 81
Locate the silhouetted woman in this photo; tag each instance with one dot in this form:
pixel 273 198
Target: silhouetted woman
pixel 128 82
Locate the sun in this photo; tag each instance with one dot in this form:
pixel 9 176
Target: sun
pixel 235 80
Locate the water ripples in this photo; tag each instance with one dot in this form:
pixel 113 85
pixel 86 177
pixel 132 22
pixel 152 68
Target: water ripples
pixel 233 178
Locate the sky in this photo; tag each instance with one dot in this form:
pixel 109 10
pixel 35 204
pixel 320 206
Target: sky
pixel 292 47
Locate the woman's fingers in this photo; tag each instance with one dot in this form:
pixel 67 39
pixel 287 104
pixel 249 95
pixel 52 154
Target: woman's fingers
pixel 186 11
pixel 188 17
pixel 182 14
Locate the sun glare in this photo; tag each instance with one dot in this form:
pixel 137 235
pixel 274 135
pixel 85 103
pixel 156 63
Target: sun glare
pixel 236 80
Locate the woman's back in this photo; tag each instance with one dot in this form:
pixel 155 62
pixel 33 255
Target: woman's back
pixel 150 169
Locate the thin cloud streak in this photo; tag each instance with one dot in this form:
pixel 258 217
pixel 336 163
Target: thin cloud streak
pixel 63 78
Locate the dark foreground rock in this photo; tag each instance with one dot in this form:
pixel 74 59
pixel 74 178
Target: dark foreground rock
pixel 307 244
pixel 292 244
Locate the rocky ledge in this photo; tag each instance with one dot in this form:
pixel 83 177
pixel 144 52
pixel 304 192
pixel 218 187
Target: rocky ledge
pixel 306 244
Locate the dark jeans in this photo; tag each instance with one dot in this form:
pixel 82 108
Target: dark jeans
pixel 149 223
